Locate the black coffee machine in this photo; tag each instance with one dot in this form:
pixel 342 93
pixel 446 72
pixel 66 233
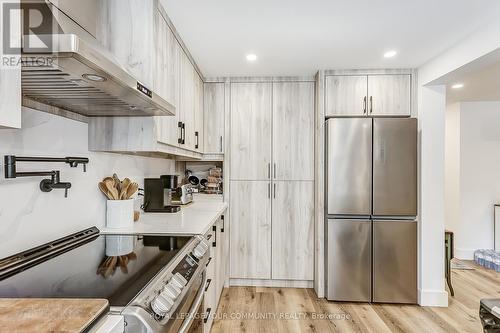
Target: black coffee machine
pixel 158 194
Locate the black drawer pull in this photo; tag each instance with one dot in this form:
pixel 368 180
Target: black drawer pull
pixel 207 315
pixel 208 262
pixel 214 229
pixel 208 284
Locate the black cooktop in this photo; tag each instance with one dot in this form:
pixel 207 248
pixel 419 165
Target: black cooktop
pixel 114 267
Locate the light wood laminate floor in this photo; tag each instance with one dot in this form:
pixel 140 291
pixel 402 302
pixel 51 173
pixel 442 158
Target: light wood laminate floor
pixel 299 310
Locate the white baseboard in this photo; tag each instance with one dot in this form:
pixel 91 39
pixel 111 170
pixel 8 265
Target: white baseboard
pixel 464 254
pixel 433 298
pixel 271 283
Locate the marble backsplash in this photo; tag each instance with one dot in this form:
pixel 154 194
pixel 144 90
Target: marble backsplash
pixel 29 217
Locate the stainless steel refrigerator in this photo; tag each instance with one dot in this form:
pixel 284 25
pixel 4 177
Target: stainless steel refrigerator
pixel 371 199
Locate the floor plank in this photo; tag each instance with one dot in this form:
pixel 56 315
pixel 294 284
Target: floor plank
pixel 258 309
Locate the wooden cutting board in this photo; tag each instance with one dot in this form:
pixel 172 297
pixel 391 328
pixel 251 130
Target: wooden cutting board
pixel 38 315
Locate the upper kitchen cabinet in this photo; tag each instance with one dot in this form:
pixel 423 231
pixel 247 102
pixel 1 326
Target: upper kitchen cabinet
pixel 346 95
pixel 214 104
pixel 10 86
pixel 389 95
pixel 251 131
pixel 187 103
pixel 368 95
pixel 166 67
pixel 293 131
pixel 198 113
pixel 126 29
pixel 167 79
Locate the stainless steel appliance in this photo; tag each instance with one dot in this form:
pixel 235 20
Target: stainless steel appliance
pixel 158 194
pixel 74 71
pixel 183 195
pixel 156 282
pixel 371 196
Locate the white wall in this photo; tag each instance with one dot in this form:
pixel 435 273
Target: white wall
pixel 29 217
pixel 452 166
pixel 479 182
pixel 431 120
pixel 431 113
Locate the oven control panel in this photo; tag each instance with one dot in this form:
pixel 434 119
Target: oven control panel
pixel 182 274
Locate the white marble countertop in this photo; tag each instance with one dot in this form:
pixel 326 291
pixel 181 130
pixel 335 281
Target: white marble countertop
pixel 193 219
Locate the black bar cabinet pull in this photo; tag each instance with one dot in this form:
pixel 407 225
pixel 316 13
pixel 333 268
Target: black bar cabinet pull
pixel 208 284
pixel 214 229
pixel 207 316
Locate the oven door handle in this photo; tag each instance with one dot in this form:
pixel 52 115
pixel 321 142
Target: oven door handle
pixel 192 312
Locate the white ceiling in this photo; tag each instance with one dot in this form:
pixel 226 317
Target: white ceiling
pixel 298 37
pixel 479 85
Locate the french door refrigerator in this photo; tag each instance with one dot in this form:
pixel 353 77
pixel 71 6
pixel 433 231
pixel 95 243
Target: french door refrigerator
pixel 371 196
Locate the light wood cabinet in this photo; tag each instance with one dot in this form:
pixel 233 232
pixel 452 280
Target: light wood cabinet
pixel 346 95
pixel 293 230
pixel 250 245
pixel 250 131
pixel 280 197
pixel 210 297
pixel 187 102
pixel 10 84
pixel 167 79
pixel 126 29
pixel 389 95
pixel 293 131
pixel 368 95
pixel 222 256
pixel 214 106
pixel 216 269
pixel 198 112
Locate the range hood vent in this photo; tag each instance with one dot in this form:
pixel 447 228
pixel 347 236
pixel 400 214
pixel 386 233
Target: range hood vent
pixel 79 75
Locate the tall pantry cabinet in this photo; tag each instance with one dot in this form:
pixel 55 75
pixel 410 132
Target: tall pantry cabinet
pixel 271 180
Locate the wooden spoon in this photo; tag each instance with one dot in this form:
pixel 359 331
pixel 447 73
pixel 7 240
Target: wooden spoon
pixel 123 193
pixel 118 182
pixel 112 190
pixel 104 190
pixel 132 188
pixel 125 183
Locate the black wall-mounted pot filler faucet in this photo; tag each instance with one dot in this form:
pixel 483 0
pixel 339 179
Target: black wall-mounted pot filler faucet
pixel 46 185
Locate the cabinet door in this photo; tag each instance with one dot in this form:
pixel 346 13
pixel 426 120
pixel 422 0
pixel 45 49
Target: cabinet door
pixel 198 111
pixel 250 131
pixel 167 80
pixel 210 297
pixel 346 95
pixel 293 131
pixel 10 80
pixel 126 29
pixel 389 95
pixel 221 259
pixel 214 117
pixel 293 230
pixel 187 102
pixel 250 230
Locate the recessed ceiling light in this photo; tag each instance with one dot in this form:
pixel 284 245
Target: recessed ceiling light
pixel 94 77
pixel 457 85
pixel 251 57
pixel 390 54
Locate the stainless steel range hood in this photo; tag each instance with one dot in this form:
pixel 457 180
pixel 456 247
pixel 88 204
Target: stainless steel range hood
pixel 79 75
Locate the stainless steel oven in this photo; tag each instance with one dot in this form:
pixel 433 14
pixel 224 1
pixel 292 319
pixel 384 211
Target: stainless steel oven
pixel 156 282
